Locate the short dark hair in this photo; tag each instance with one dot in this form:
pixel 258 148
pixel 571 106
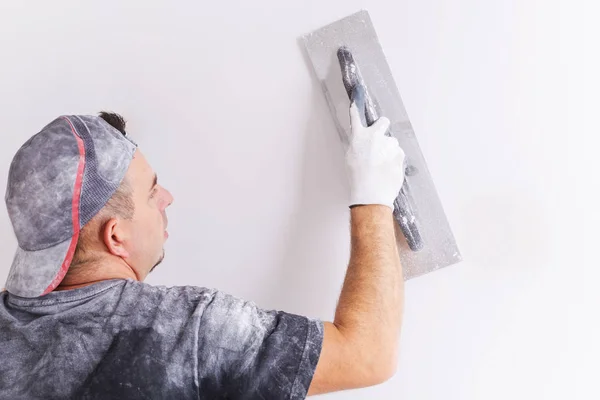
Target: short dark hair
pixel 120 204
pixel 115 120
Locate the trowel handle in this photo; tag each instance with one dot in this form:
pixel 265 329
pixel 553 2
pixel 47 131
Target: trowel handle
pixel 407 220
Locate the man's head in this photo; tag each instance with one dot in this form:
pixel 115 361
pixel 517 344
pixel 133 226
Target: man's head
pixel 131 226
pixel 85 205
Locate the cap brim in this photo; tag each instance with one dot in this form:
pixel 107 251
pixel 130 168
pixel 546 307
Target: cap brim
pixel 51 265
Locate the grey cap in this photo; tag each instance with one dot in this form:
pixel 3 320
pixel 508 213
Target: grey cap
pixel 58 180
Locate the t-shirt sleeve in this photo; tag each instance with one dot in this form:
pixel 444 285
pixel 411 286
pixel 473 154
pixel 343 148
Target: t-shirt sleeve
pixel 245 352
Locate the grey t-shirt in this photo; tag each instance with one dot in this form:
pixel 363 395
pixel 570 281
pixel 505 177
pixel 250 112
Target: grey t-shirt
pixel 123 339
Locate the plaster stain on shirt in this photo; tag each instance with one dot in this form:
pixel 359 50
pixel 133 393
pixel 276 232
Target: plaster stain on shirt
pixel 123 339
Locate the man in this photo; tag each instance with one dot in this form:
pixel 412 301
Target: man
pixel 77 321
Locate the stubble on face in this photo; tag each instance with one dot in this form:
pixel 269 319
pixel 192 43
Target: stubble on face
pixel 160 260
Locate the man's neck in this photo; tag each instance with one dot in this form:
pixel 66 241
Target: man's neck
pixel 63 286
pixel 86 274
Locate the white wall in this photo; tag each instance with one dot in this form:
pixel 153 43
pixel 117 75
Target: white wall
pixel 222 101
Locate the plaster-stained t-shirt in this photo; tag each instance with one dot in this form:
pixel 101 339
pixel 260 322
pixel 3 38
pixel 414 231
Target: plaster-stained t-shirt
pixel 123 339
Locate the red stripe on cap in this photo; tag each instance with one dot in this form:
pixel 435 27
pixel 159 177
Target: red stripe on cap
pixel 74 215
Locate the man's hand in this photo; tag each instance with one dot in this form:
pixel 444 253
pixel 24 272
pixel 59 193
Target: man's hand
pixel 375 162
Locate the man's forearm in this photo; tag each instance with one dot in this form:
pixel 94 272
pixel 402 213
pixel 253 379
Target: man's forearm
pixel 369 311
pixel 360 347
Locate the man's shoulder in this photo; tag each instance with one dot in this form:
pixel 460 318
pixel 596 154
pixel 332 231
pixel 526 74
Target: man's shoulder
pixel 143 292
pixel 164 289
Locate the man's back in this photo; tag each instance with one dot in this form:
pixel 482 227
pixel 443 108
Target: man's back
pixel 127 339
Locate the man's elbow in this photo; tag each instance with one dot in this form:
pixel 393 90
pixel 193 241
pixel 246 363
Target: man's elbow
pixel 352 361
pixel 386 373
pixel 381 369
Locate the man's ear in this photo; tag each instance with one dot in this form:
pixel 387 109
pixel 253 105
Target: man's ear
pixel 114 237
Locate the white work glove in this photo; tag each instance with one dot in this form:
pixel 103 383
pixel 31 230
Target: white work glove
pixel 375 162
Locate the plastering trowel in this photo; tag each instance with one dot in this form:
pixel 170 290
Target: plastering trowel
pixel 346 56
